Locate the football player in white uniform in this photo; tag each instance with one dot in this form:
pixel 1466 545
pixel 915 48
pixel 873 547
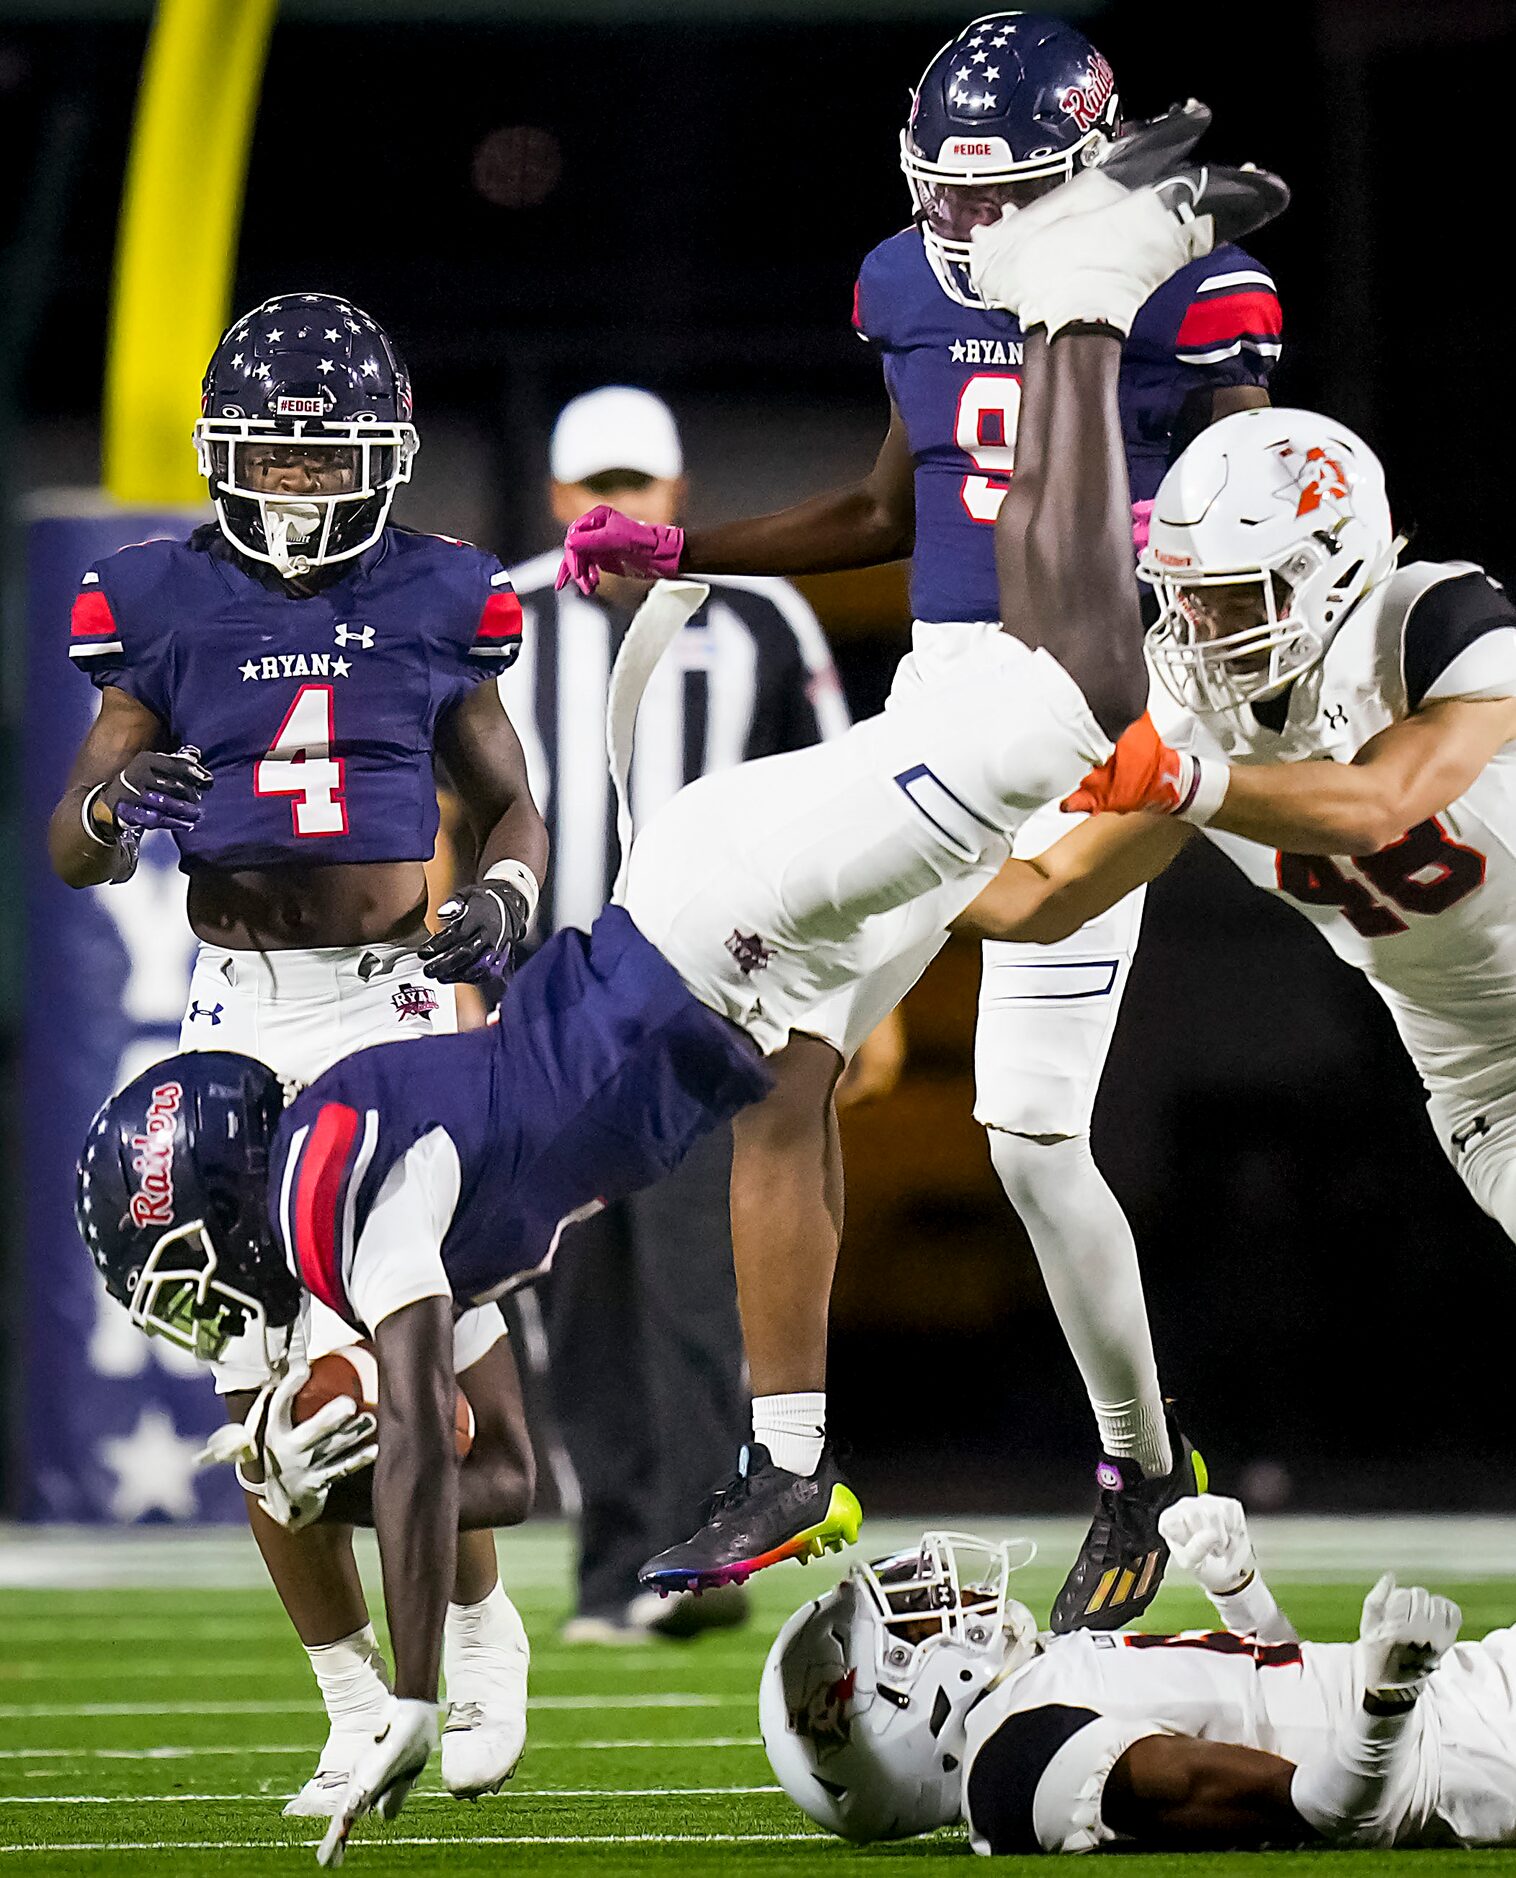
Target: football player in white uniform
pixel 1317 699
pixel 918 1692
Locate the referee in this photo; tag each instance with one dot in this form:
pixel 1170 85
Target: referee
pixel 645 1349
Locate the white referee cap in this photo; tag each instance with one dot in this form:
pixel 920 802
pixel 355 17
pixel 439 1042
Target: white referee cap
pixel 616 427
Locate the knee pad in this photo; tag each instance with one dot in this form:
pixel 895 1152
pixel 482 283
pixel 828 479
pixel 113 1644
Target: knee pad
pixel 1032 1168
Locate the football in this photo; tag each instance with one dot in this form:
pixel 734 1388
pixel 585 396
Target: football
pixel 354 1371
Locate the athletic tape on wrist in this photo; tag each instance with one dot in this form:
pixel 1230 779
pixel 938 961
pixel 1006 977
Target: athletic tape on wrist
pixel 518 875
pixel 1202 789
pixel 91 797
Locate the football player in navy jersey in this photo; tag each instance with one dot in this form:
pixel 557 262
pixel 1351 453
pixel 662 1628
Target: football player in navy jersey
pixel 276 691
pixel 1008 110
pixel 405 1186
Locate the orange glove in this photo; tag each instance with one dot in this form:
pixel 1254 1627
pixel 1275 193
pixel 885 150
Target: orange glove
pixel 1142 772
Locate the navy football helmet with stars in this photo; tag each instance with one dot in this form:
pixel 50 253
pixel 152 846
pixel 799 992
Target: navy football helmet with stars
pixel 172 1202
pixel 1011 108
pixel 305 431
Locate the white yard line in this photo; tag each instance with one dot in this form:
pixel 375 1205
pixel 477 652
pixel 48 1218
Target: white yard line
pixel 520 1793
pixel 672 1744
pixel 34 1711
pixel 163 1847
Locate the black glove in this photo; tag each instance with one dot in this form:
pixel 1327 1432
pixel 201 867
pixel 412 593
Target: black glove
pixel 474 947
pixel 157 789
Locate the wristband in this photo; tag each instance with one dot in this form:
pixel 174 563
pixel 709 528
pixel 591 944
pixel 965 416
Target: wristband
pixel 1201 789
pixel 518 875
pixel 90 798
pixel 1250 1611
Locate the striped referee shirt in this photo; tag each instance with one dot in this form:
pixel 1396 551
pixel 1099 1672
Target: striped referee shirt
pixel 749 676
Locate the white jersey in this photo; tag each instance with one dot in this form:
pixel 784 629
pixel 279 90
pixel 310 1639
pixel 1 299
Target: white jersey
pixel 1431 919
pixel 1041 1746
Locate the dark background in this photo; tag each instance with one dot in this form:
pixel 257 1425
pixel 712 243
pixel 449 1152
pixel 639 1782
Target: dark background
pixel 681 199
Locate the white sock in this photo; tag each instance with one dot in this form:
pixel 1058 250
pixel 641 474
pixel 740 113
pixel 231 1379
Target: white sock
pixel 792 1428
pixel 492 1624
pixel 353 1680
pixel 1089 1265
pixel 1136 1431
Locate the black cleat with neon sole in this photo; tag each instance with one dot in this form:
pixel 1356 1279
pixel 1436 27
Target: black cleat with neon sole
pixel 763 1515
pixel 1121 1563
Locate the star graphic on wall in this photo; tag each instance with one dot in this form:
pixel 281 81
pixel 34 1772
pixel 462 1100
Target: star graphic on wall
pixel 154 1468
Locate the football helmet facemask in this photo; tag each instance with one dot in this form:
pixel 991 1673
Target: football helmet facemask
pixel 865 1690
pixel 305 432
pixel 172 1203
pixel 1015 105
pixel 1265 534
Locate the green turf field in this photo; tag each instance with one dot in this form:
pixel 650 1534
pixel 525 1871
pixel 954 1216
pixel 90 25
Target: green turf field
pixel 151 1723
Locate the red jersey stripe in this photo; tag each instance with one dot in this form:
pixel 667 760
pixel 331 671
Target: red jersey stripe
pixel 92 617
pixel 318 1189
pixel 857 312
pixel 1253 313
pixel 501 618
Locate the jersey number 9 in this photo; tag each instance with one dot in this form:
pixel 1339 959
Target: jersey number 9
pixel 989 409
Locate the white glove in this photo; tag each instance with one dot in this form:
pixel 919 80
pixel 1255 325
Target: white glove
pixel 1404 1634
pixel 1207 1536
pixel 1098 264
pixel 385 1772
pixel 302 1461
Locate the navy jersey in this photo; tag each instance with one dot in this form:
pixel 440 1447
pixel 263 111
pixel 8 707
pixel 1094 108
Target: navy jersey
pixel 954 373
pixel 601 1074
pixel 315 716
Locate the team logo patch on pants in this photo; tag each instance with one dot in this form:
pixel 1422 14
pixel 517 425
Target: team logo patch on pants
pixel 749 951
pixel 414 1001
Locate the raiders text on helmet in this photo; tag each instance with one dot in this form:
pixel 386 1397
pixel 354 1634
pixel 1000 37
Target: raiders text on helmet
pixel 314 376
pixel 172 1201
pixel 1013 106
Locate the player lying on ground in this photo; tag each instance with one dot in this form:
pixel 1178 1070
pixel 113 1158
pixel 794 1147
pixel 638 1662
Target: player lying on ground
pixel 1290 632
pixel 407 1184
pixel 299 623
pixel 1011 107
pixel 918 1692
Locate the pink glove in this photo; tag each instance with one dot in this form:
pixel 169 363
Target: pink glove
pixel 604 541
pixel 1142 520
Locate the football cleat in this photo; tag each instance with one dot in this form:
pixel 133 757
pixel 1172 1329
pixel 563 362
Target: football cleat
pixel 1236 201
pixel 484 1735
pixel 1121 1563
pixel 322 1795
pixel 763 1515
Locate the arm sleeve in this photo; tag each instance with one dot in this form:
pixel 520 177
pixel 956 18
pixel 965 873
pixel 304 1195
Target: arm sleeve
pixel 1036 1784
pixel 102 645
pixel 398 1257
pixel 1460 642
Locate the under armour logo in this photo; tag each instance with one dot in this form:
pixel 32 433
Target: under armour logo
pixel 210 1012
pixel 354 635
pixel 1462 1137
pixel 1336 717
pixel 749 951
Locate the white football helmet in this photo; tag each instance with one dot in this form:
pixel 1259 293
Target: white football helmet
pixel 1282 516
pixel 865 1690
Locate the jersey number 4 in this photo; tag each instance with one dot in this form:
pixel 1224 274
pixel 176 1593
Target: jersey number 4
pixel 989 409
pixel 300 764
pixel 1424 872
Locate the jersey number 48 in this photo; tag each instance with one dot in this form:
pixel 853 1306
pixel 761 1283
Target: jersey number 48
pixel 300 764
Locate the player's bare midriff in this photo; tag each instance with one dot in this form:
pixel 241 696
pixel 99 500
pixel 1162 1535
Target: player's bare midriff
pixel 281 909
